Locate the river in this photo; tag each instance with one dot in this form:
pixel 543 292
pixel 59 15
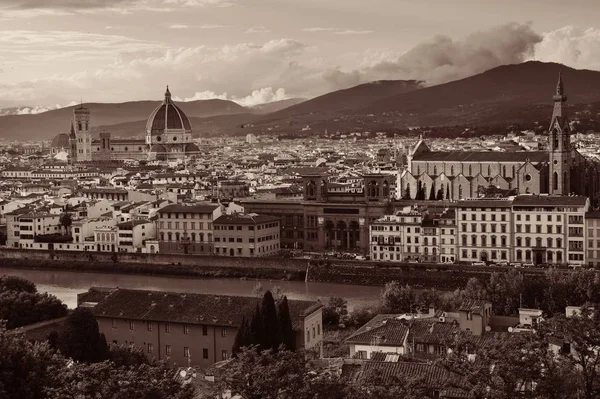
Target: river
pixel 66 285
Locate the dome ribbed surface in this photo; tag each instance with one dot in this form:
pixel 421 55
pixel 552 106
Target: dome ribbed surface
pixel 60 141
pixel 167 116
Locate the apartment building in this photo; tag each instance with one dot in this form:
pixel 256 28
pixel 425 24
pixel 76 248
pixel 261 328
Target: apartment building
pixel 32 225
pixel 396 237
pixel 448 241
pixel 187 228
pixel 484 229
pixel 247 235
pixel 132 235
pixel 188 329
pixel 592 226
pixel 549 229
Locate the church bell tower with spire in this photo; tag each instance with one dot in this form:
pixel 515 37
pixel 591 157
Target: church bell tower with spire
pixel 560 144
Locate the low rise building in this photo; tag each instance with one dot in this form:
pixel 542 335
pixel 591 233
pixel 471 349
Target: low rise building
pixel 247 235
pixel 132 235
pixel 187 228
pixel 189 329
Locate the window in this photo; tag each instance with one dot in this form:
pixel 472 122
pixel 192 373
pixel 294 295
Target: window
pixel 150 348
pixel 223 332
pixel 132 325
pixel 307 335
pixel 204 330
pixel 168 350
pixel 149 326
pixel 186 329
pixel 114 323
pixel 167 328
pixel 204 353
pixel 186 351
pixel 224 354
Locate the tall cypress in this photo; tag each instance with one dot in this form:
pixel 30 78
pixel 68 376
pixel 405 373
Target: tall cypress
pixel 271 335
pixel 256 332
pixel 241 338
pixel 432 192
pixel 288 336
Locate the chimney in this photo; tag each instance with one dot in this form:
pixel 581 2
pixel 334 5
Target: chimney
pixel 431 328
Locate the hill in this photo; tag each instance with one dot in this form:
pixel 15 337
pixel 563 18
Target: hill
pixel 506 94
pixel 46 125
pixel 275 106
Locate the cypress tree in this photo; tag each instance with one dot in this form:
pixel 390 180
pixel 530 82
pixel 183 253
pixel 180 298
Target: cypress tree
pixel 241 338
pixel 407 192
pixel 288 336
pixel 432 192
pixel 448 191
pixel 81 339
pixel 440 195
pixel 256 331
pixel 271 334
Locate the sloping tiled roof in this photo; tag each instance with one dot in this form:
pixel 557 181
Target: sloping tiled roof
pixel 473 305
pixel 200 208
pixel 189 308
pixel 431 332
pixel 384 328
pixel 482 156
pixel 392 372
pixel 549 200
pixel 245 219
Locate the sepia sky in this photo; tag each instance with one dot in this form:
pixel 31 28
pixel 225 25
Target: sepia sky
pixel 54 52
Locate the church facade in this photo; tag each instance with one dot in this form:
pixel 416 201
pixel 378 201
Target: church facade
pixel 168 135
pixel 455 175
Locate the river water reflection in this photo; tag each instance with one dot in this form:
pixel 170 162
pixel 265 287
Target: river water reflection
pixel 67 284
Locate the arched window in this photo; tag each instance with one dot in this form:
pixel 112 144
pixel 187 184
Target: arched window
pixel 386 189
pixel 177 236
pixel 310 188
pixel 170 236
pixel 519 242
pixel 201 237
pixel 559 243
pixel 209 237
pixel 433 241
pixel 194 237
pixel 470 171
pixel 162 236
pixel 460 192
pixel 474 240
pixel 435 169
pixel 452 170
pixel 489 170
pixel 549 243
pixel 434 250
pixel 555 138
pixel 79 126
pixel 555 181
pixel 504 171
pixel 538 242
pixel 425 241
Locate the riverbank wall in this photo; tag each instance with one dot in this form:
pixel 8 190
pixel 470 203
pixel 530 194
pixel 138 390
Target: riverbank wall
pixel 328 271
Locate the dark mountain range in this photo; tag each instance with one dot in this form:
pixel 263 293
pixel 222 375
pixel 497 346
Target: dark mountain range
pixel 275 106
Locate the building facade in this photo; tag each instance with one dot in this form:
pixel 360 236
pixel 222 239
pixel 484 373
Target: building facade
pixel 246 235
pixel 187 228
pixel 188 329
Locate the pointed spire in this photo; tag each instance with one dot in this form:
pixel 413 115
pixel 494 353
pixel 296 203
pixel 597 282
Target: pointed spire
pixel 559 86
pixel 167 95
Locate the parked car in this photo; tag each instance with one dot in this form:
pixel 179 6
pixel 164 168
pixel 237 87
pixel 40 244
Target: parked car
pixel 516 264
pixel 502 264
pixel 478 264
pixel 529 264
pixel 413 261
pixel 360 257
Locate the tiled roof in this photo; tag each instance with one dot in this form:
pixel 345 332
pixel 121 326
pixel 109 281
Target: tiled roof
pixel 482 156
pixel 485 203
pixel 392 372
pixel 384 328
pixel 189 308
pixel 245 219
pixel 473 305
pixel 200 208
pixel 39 331
pixel 431 332
pixel 549 200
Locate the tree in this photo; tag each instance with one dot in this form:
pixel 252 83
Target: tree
pixel 127 355
pixel 448 191
pixel 242 338
pixel 18 284
pixel 105 381
pixel 81 339
pixel 20 308
pixel 335 311
pixel 256 332
pixel 440 194
pixel 66 221
pixel 270 325
pixel 288 335
pixel 398 299
pixel 432 192
pixel 407 194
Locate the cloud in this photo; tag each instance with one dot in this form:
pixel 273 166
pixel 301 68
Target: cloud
pixel 571 46
pixel 442 59
pixel 318 29
pixel 212 26
pixel 258 29
pixel 178 26
pixel 260 96
pixel 353 32
pixel 13 9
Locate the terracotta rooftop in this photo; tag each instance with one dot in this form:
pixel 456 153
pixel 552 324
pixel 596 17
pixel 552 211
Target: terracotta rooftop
pixel 482 156
pixel 188 308
pixel 549 200
pixel 177 208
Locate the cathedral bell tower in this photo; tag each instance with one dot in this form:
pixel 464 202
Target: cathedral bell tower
pixel 83 135
pixel 560 144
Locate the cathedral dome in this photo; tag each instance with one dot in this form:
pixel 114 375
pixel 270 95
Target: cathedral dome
pixel 168 117
pixel 191 147
pixel 60 141
pixel 158 148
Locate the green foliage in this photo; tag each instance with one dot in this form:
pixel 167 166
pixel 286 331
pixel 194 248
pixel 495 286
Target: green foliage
pixel 17 284
pixel 66 220
pixel 360 316
pixel 106 381
pixel 398 299
pixel 288 336
pixel 335 311
pixel 20 308
pixel 127 355
pixel 81 339
pixel 270 324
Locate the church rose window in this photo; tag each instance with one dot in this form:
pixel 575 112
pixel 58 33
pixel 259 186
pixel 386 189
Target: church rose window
pixel 527 177
pixel 158 138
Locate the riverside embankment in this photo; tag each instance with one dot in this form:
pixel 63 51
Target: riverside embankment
pixel 446 277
